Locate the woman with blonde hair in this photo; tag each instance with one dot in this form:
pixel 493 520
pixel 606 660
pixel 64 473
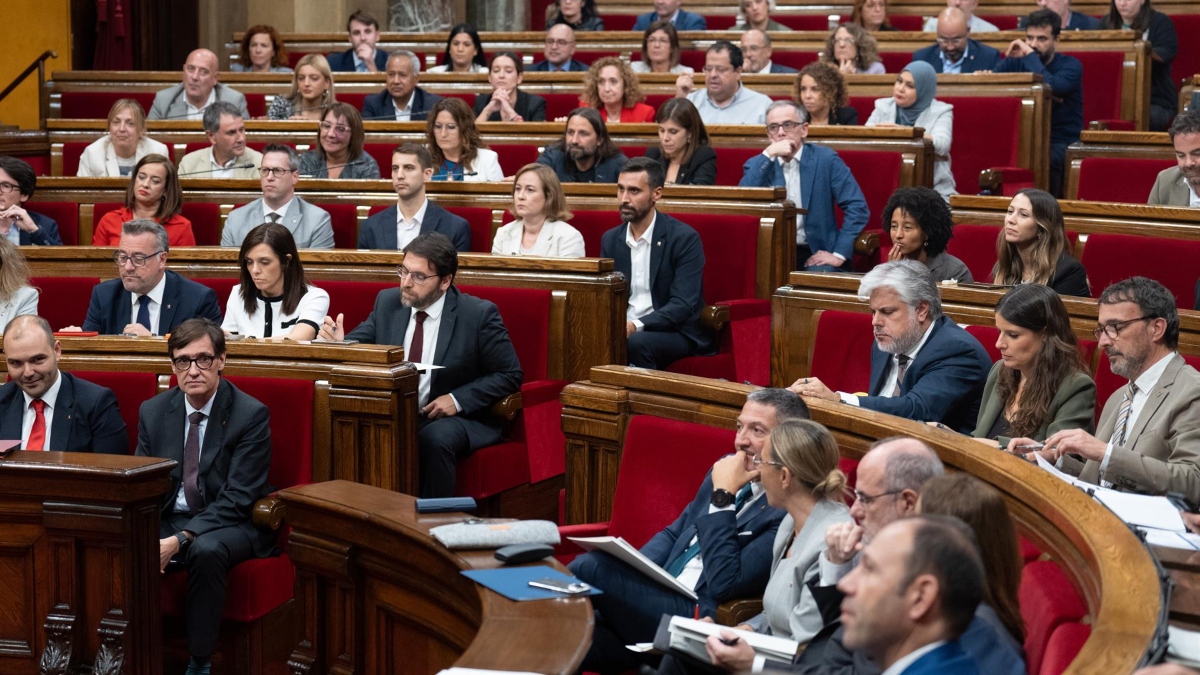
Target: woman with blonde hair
pixel 116 153
pixel 153 193
pixel 541 210
pixel 871 15
pixel 312 91
pixel 261 51
pixel 852 50
pixel 454 143
pixel 17 297
pixel 1032 247
pixel 611 87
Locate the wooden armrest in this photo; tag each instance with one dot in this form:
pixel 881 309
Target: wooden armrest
pixel 991 182
pixel 268 513
pixel 715 316
pixel 508 407
pixel 867 243
pixel 740 611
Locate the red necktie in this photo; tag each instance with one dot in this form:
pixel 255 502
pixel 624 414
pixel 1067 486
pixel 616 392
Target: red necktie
pixel 37 435
pixel 417 347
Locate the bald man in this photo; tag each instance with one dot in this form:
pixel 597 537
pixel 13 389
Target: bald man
pixel 955 52
pixel 188 100
pixel 968 8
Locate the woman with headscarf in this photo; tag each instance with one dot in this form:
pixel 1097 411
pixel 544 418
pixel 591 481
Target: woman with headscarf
pixel 912 104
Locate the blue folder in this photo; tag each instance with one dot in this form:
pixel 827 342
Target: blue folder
pixel 513 582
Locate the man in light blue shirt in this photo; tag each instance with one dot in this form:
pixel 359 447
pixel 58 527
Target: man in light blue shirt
pixel 724 100
pixel 955 52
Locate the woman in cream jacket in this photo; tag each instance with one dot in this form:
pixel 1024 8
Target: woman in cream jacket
pixel 913 105
pixel 116 153
pixel 541 209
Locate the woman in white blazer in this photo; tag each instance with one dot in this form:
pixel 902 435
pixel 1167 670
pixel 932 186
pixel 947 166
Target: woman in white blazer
pixel 17 297
pixel 913 105
pixel 541 209
pixel 116 153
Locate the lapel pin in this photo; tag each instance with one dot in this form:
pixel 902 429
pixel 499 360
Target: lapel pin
pixel 658 243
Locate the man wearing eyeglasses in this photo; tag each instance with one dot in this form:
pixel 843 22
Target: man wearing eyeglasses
pixel 220 438
pixel 1148 438
pixel 228 156
pixel 20 226
pixel 147 298
pixel 310 225
pixel 724 99
pixel 395 227
pixel 461 334
pixel 199 89
pixel 955 52
pixel 816 179
pixel 559 53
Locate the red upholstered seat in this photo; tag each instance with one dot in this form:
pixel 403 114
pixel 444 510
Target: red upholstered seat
pixel 1005 22
pixel 1112 179
pixel 40 163
pixel 1063 646
pixel 71 296
pixel 1172 262
pixel 382 154
pixel 841 352
pixel 975 245
pixel 1048 600
pixel 878 175
pixel 1187 60
pixel 865 105
pixel 132 390
pixel 354 299
pixel 206 222
pixel 987 336
pixel 559 105
pixel 66 214
pixel 100 209
pixel 893 62
pixel 72 152
pixel 985 136
pixel 619 21
pixel 908 22
pixel 1101 84
pixel 514 156
pixel 692 58
pixel 222 286
pixel 344 218
pixel 730 162
pixel 592 225
pixel 1029 550
pixel 94 105
pixel 256 104
pixel 355 99
pixel 714 21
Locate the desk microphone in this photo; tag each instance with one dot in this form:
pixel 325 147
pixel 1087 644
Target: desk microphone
pixel 335 166
pixel 412 117
pixel 247 165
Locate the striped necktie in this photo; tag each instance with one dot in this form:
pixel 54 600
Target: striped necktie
pixel 901 368
pixel 1120 431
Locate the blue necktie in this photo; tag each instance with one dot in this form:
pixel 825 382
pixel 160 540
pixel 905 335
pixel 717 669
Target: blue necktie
pixel 692 551
pixel 144 312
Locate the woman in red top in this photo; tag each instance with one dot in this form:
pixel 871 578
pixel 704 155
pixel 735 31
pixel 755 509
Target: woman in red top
pixel 153 193
pixel 611 87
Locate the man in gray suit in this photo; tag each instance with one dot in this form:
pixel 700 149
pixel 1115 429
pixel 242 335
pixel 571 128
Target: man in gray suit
pixel 1180 186
pixel 198 89
pixel 310 225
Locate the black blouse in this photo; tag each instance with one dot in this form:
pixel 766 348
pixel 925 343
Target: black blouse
pixel 701 170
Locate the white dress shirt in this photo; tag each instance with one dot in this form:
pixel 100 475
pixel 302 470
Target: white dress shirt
pixel 407 230
pixel 194 113
pixel 791 179
pixel 50 398
pixel 221 170
pixel 694 569
pixel 181 505
pixel 640 301
pixel 889 385
pixel 912 657
pixel 954 67
pixel 1145 383
pixel 14 234
pixel 404 114
pixel 155 307
pixel 282 211
pixel 1193 198
pixel 428 345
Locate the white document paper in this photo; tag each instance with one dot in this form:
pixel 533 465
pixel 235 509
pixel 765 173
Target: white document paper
pixel 621 550
pixel 1183 646
pixel 1142 510
pixel 1162 538
pixel 689 635
pixel 1054 471
pixel 476 671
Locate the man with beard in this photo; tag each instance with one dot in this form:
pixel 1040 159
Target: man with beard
pixel 1179 186
pixel 585 154
pixel 923 365
pixel 396 226
pixel 663 260
pixel 955 52
pixel 1062 73
pixel 228 156
pixel 439 325
pixel 1148 439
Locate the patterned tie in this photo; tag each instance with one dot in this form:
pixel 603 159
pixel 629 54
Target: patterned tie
pixel 677 565
pixel 417 349
pixel 144 312
pixel 191 463
pixel 37 434
pixel 901 368
pixel 1123 412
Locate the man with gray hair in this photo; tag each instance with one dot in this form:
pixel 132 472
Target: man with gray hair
pixel 199 89
pixel 401 100
pixel 756 49
pixel 228 156
pixel 311 226
pixel 923 365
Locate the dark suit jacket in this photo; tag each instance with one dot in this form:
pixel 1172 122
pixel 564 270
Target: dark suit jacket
pixel 683 21
pixel 572 66
pixel 86 417
pixel 381 107
pixel 379 231
pixel 605 172
pixel 701 170
pixel 480 366
pixel 1078 22
pixel 531 107
pixel 234 459
pixel 111 306
pixel 847 116
pixel 779 68
pixel 47 232
pixel 979 57
pixel 943 384
pixel 343 62
pixel 1069 277
pixel 736 550
pixel 676 277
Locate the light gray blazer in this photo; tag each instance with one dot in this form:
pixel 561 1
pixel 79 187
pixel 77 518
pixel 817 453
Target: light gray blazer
pixel 310 225
pixel 171 104
pixel 556 240
pixel 1170 189
pixel 23 301
pixel 938 122
pixel 789 609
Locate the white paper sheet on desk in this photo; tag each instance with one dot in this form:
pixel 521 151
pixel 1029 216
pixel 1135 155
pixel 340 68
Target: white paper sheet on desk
pixel 1054 471
pixel 1142 510
pixel 476 671
pixel 1183 646
pixel 1181 540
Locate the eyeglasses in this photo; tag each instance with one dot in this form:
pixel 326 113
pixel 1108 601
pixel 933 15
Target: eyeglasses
pixel 138 259
pixel 867 499
pixel 8 187
pixel 1112 330
pixel 786 126
pixel 341 128
pixel 843 41
pixel 717 70
pixel 951 40
pixel 417 277
pixel 759 461
pixel 551 42
pixel 276 171
pixel 182 364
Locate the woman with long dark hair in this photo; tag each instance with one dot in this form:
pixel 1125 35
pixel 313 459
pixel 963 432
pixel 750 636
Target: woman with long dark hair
pixel 507 103
pixel 454 143
pixel 1157 29
pixel 683 147
pixel 153 192
pixel 274 299
pixel 578 14
pixel 1032 247
pixel 464 52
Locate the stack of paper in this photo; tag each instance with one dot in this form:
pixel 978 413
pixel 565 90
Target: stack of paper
pixel 1183 646
pixel 623 551
pixel 689 635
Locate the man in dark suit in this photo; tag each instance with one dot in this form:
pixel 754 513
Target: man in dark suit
pixel 720 544
pixel 436 324
pixel 923 365
pixel 221 441
pixel 402 100
pixel 559 52
pixel 955 51
pixel 668 10
pixel 362 57
pixel 663 260
pixel 586 153
pixel 757 52
pixel 1070 19
pixel 48 409
pixel 394 227
pixel 146 299
pixel 19 226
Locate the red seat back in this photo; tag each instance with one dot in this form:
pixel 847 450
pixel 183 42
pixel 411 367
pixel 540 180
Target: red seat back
pixel 222 286
pixel 907 22
pixel 94 105
pixel 653 485
pixel 975 245
pixel 355 99
pixel 514 156
pixel 63 301
pixel 730 254
pixel 841 351
pixel 101 209
pixel 1101 84
pixel 526 315
pixel 72 152
pixel 1112 179
pixel 987 336
pixel 382 154
pixel 619 21
pixel 1171 262
pixel 354 299
pixel 132 390
pixel 560 105
pixel 479 219
pixel 878 175
pixel 730 162
pixel 1047 601
pixel 592 225
pixel 66 214
pixel 206 222
pixel 1005 22
pixel 256 104
pixel 893 62
pixel 865 105
pixel 344 219
pixel 985 136
pixel 1063 646
pixel 291 434
pixel 1187 59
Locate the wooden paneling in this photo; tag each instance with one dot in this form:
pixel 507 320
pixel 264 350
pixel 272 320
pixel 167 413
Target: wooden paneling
pixel 33 27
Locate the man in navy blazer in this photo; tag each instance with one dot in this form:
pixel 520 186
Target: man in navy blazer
pixel 21 227
pixel 663 259
pixel 147 299
pixel 394 227
pixel 401 100
pixel 83 417
pixel 757 52
pixel 463 334
pixel 720 543
pixel 822 179
pixel 362 57
pixel 955 51
pixel 669 10
pixel 558 57
pixel 924 367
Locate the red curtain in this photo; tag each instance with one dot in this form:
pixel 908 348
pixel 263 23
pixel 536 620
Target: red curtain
pixel 114 36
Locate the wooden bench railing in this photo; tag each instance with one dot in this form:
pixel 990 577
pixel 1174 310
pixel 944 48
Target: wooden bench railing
pixel 919 7
pixel 1115 145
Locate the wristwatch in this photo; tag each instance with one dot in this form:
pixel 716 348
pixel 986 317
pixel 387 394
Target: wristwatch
pixel 184 541
pixel 721 498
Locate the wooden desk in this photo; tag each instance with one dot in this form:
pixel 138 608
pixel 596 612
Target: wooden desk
pixel 1115 144
pixel 79 549
pixel 919 7
pixel 379 595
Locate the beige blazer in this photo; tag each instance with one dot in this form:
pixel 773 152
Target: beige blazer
pixel 100 160
pixel 198 164
pixel 1170 189
pixel 556 240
